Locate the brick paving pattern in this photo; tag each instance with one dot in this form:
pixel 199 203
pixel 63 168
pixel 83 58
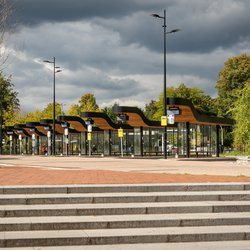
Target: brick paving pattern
pixel 36 176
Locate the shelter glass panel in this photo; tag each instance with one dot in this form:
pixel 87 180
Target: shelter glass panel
pixel 182 139
pixel 137 141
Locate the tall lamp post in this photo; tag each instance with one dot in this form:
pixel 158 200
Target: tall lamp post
pixel 56 70
pixel 165 77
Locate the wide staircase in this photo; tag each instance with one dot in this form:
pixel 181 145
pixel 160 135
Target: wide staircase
pixel 144 216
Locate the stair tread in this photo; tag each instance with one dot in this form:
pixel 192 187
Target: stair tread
pixel 125 205
pixel 122 218
pixel 126 232
pixel 144 187
pixel 215 245
pixel 124 194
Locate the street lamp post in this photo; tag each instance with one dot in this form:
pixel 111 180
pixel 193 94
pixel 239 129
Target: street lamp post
pixel 56 70
pixel 165 78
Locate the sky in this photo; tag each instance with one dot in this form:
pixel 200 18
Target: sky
pixel 114 48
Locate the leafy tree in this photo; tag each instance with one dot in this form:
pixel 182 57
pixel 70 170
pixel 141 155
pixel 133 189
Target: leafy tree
pixel 74 110
pixel 37 115
pixel 241 114
pixel 232 78
pixel 29 117
pixel 9 103
pixel 203 103
pixel 88 103
pixel 110 113
pixel 47 113
pixel 150 110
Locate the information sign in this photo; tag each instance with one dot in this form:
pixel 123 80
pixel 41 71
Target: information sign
pixel 164 120
pixel 120 133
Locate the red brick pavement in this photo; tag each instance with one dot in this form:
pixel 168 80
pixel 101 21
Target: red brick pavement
pixel 36 176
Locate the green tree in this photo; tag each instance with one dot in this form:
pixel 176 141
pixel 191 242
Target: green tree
pixel 203 103
pixel 28 117
pixel 150 110
pixel 241 114
pixel 9 103
pixel 47 112
pixel 74 110
pixel 88 103
pixel 110 113
pixel 232 78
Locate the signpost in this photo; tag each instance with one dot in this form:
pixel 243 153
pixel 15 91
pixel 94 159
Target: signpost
pixel 33 143
pixel 66 134
pixel 20 143
pixel 120 135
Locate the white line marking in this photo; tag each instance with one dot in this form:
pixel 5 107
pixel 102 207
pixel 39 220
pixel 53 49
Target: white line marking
pixel 6 165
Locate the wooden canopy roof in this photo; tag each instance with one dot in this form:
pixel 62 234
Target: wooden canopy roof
pixel 136 118
pixel 102 121
pixel 188 113
pixel 76 122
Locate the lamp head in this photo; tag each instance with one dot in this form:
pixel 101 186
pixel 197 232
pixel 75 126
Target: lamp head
pixel 46 61
pixel 156 15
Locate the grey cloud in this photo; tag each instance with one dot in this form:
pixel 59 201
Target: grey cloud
pixel 205 26
pixel 30 12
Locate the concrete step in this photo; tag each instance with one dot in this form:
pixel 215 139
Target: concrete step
pixel 214 245
pixel 115 215
pixel 123 188
pixel 124 208
pixel 124 236
pixel 29 199
pixel 122 221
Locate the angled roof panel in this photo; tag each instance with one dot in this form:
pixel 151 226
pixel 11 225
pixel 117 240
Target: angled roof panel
pixel 190 114
pixel 103 121
pixel 136 117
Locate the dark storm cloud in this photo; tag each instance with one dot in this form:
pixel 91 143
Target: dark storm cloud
pixel 205 25
pixel 33 12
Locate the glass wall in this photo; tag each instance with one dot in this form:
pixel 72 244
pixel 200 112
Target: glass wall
pixel 139 141
pixel 182 139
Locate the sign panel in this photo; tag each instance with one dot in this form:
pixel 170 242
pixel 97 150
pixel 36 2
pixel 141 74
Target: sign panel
pixel 89 136
pixel 164 120
pixel 174 111
pixel 66 131
pixel 89 127
pixel 171 119
pixel 120 133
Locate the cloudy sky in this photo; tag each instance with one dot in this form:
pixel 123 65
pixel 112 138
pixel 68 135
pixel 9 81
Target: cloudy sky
pixel 114 48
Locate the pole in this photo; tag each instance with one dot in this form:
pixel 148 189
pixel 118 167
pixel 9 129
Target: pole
pixel 121 147
pixel 54 110
pixel 89 147
pixel 165 89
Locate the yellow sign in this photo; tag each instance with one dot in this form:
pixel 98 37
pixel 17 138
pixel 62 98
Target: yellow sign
pixel 120 133
pixel 89 136
pixel 164 120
